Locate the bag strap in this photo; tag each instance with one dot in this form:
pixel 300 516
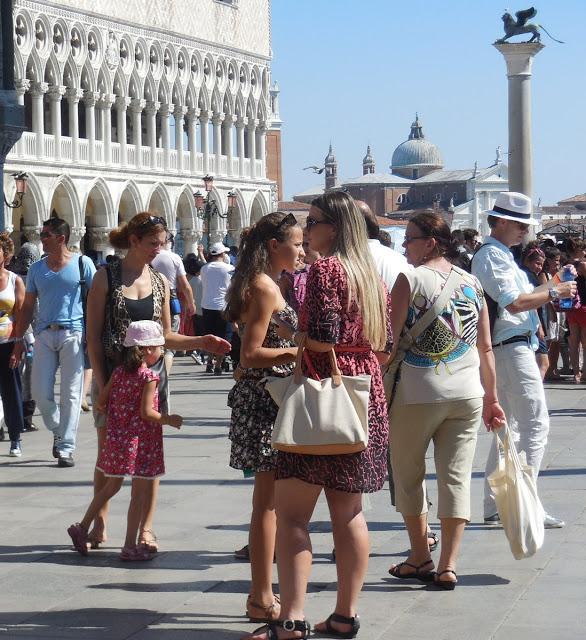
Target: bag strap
pixel 83 287
pixel 436 308
pixel 303 355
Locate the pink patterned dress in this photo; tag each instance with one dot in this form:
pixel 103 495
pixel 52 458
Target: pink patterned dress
pixel 326 317
pixel 133 447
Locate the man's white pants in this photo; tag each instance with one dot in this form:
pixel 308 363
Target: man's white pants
pixel 522 397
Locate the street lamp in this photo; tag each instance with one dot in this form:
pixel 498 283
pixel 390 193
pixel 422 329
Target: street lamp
pixel 207 207
pixel 20 180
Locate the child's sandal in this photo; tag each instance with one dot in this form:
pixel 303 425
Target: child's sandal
pixel 139 553
pixel 287 625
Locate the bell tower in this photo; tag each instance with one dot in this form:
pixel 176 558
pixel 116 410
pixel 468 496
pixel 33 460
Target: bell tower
pixel 331 172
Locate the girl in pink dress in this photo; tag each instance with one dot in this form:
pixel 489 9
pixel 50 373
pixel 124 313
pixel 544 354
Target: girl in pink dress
pixel 134 437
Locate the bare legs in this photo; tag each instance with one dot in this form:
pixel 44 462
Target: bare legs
pixel 452 532
pixel 261 541
pixel 574 342
pixel 143 499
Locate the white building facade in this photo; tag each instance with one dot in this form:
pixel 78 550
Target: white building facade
pixel 129 104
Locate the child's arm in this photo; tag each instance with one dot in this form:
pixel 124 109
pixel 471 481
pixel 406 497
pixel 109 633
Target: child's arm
pixel 102 401
pixel 148 413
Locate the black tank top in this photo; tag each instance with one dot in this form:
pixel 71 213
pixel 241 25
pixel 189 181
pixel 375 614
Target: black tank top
pixel 140 309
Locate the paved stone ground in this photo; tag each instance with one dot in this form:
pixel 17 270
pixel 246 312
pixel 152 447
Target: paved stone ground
pixel 195 589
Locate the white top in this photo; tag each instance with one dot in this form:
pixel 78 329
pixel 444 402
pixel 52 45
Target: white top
pixel 197 289
pixel 215 280
pixel 7 301
pixel 170 265
pixel 388 262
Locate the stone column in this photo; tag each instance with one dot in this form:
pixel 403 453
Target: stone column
pixel 122 103
pixel 217 120
pixel 100 240
pixel 205 147
pixel 56 93
pixel 240 124
pixel 191 238
pixel 38 90
pixel 192 115
pixel 90 98
pixel 151 111
pixel 76 236
pixel 33 235
pixel 21 86
pixel 106 102
pixel 262 140
pixel 179 114
pixel 519 59
pixel 165 111
pixel 136 106
pixel 252 145
pixel 228 122
pixel 73 97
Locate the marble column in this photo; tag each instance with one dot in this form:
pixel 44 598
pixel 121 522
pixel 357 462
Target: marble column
pixel 136 106
pixel 179 114
pixel 252 145
pixel 122 103
pixel 37 91
pixel 165 110
pixel 240 124
pixel 205 145
pixel 228 122
pixel 73 96
pixel 22 86
pixel 76 236
pixel 56 93
pixel 192 115
pixel 90 98
pixel 217 120
pixel 262 140
pixel 99 237
pixel 519 60
pixel 191 239
pixel 151 111
pixel 106 102
pixel 33 235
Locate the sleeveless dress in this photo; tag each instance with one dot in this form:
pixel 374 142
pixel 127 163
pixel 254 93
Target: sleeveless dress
pixel 253 409
pixel 326 317
pixel 133 446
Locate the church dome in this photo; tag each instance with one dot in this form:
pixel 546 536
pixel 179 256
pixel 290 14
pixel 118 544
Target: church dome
pixel 416 154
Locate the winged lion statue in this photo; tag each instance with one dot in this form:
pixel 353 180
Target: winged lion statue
pixel 520 25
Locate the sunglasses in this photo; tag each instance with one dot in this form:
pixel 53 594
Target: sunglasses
pixel 409 239
pixel 45 234
pixel 312 222
pixel 521 225
pixel 153 220
pixel 288 221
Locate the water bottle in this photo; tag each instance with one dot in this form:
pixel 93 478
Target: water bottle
pixel 567 303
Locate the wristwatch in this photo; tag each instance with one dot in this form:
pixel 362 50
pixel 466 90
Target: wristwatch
pixel 553 294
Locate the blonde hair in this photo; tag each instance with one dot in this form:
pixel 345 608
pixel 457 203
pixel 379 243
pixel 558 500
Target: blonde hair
pixel 351 248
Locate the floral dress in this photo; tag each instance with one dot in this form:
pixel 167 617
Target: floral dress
pixel 326 317
pixel 253 409
pixel 133 446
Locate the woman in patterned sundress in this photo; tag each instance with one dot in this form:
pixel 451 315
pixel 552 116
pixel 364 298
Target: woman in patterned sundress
pixel 347 309
pixel 254 301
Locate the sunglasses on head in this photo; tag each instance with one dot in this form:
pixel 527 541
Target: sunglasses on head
pixel 312 222
pixel 288 221
pixel 153 220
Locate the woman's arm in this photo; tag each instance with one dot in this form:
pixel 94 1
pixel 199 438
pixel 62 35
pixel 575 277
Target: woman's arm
pixel 264 301
pixel 148 413
pixel 492 412
pixel 19 291
pixel 400 295
pixel 102 401
pixel 96 312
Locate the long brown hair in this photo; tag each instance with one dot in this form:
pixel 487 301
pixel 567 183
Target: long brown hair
pixel 141 225
pixel 253 258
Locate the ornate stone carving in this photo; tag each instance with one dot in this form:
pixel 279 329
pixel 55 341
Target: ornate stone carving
pixel 112 51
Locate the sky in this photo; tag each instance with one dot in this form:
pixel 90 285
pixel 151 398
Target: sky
pixel 355 72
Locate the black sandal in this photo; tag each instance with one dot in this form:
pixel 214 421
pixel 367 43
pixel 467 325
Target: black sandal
pixel 334 633
pixel 433 536
pixel 287 625
pixel 447 585
pixel 423 576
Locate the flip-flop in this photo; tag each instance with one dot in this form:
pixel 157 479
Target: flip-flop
pixel 78 536
pixel 139 553
pixel 446 585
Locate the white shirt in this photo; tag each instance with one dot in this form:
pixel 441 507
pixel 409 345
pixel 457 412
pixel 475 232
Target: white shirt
pixel 197 289
pixel 388 262
pixel 215 280
pixel 170 265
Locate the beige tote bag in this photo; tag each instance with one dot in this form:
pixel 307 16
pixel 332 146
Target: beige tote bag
pixel 320 417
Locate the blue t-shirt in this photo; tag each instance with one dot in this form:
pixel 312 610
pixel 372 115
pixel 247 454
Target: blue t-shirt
pixel 59 293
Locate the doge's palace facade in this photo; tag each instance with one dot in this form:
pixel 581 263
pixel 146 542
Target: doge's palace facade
pixel 129 103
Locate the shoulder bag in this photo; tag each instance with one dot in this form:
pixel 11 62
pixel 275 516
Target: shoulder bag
pixel 320 417
pixel 408 336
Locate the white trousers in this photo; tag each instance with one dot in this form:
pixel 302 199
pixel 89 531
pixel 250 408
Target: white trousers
pixel 522 397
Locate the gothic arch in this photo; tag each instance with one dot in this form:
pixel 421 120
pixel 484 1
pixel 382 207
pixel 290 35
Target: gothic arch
pixel 65 201
pixel 34 68
pixel 105 218
pixel 159 203
pixel 258 207
pixel 129 203
pixel 88 77
pixel 33 210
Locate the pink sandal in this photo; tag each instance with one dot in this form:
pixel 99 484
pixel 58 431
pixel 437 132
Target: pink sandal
pixel 139 553
pixel 78 536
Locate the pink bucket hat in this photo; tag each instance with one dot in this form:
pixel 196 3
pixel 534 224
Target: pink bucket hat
pixel 144 333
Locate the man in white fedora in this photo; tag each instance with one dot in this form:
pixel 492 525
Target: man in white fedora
pixel 512 303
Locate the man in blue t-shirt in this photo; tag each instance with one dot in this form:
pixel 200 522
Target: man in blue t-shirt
pixel 56 282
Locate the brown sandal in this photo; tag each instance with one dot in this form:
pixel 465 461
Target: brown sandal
pixel 259 613
pixel 148 538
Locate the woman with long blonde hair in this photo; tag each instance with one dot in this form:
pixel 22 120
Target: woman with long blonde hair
pixel 346 308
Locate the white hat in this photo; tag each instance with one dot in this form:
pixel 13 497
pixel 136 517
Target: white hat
pixel 144 333
pixel 511 205
pixel 218 248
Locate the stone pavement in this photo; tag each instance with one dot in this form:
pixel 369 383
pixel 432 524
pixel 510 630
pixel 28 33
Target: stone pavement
pixel 195 589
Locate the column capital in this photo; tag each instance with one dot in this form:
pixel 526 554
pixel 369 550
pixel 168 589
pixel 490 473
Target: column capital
pixel 241 122
pixel 262 126
pixel 56 92
pixel 165 109
pixel 204 115
pixel 33 233
pixel 73 95
pixel 152 107
pixel 179 111
pixel 519 56
pixel 22 85
pixel 218 117
pixel 99 235
pixel 252 124
pixel 106 100
pixel 122 102
pixel 229 119
pixel 193 113
pixel 90 98
pixel 137 105
pixel 190 235
pixel 39 88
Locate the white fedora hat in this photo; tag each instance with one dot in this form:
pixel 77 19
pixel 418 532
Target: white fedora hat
pixel 511 205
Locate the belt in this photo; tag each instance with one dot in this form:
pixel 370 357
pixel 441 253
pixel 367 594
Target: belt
pixel 513 340
pixel 56 327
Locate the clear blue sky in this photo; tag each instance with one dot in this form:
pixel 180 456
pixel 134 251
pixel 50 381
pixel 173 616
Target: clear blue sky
pixel 356 71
